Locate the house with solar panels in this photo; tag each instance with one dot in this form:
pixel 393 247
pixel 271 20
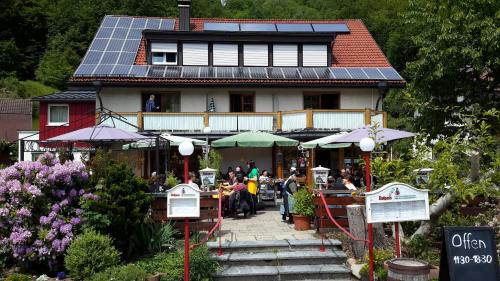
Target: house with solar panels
pixel 301 79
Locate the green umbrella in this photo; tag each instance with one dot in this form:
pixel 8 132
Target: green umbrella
pixel 254 139
pixel 325 142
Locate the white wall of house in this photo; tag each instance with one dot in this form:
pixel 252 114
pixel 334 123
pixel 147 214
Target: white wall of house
pixel 237 156
pixel 266 99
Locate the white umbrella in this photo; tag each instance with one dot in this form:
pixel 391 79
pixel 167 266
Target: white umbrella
pixel 326 142
pixel 174 141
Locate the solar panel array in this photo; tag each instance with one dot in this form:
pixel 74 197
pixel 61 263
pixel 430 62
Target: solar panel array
pixel 265 73
pixel 278 27
pixel 115 45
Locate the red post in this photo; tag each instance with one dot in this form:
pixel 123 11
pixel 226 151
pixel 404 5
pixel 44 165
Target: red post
pixel 186 169
pixel 398 247
pixel 370 227
pixel 219 252
pixel 186 249
pixel 322 248
pixel 186 225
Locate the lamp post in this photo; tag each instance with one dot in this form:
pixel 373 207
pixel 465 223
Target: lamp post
pixel 207 131
pixel 367 145
pixel 186 148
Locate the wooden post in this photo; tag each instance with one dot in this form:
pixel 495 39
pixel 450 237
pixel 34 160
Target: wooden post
pixel 368 116
pixel 357 226
pixel 312 164
pixel 279 121
pixel 279 165
pixel 206 119
pixel 140 120
pixel 384 119
pixel 341 158
pixel 309 119
pixel 97 118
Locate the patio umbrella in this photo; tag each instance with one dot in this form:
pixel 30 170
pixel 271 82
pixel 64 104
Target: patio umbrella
pixel 382 135
pixel 254 139
pixel 326 142
pixel 99 133
pixel 174 141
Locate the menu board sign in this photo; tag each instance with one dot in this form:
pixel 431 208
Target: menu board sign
pixel 395 202
pixel 183 201
pixel 469 253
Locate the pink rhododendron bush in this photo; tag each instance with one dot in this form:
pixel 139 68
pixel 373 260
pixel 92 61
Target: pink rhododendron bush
pixel 40 208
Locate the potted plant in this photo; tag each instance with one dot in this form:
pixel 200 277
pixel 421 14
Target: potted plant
pixel 303 209
pixel 358 196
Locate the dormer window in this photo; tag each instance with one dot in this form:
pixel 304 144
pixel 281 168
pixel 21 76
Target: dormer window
pixel 164 53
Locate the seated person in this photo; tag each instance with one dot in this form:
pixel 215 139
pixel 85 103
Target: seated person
pixel 348 183
pixel 240 198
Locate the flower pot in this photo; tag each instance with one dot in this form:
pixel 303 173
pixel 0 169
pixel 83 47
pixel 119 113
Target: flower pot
pixel 301 222
pixel 359 199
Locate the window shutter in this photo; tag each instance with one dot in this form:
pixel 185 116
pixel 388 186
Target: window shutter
pixel 285 55
pixel 315 55
pixel 195 54
pixel 255 55
pixel 164 47
pixel 225 54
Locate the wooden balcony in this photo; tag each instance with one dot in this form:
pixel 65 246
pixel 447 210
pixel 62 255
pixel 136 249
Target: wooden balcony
pixel 340 119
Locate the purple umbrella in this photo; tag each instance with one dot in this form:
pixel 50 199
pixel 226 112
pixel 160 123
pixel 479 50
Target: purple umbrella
pixel 382 135
pixel 99 133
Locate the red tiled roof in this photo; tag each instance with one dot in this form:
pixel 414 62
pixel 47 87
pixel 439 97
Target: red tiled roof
pixel 354 49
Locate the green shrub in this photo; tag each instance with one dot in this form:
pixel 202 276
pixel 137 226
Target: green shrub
pixel 153 237
pixel 18 277
pixel 303 202
pixel 202 265
pixel 90 253
pixel 122 206
pixel 121 273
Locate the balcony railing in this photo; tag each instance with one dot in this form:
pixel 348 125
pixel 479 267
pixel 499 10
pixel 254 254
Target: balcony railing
pixel 340 119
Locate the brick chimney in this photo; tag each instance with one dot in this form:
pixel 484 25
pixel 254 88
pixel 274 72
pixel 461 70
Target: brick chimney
pixel 184 17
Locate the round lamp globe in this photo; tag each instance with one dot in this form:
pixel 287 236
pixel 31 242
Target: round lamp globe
pixel 207 130
pixel 367 144
pixel 186 148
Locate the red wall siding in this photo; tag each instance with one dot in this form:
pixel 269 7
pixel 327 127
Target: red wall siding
pixel 81 115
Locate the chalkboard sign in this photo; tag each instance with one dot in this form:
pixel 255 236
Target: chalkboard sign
pixel 469 253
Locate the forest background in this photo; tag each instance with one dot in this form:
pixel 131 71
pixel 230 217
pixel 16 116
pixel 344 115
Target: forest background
pixel 446 50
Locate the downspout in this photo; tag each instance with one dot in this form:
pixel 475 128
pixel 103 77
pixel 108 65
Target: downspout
pixel 382 90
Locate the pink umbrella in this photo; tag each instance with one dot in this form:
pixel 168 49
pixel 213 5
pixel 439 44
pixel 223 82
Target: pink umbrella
pixel 382 135
pixel 99 133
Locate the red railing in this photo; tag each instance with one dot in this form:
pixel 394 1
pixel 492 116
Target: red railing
pixel 216 226
pixel 325 206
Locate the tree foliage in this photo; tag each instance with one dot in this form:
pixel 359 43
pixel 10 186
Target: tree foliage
pixel 458 45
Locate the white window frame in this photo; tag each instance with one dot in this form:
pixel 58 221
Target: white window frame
pixel 164 50
pixel 312 54
pixel 57 123
pixel 263 61
pixel 226 57
pixel 281 53
pixel 188 55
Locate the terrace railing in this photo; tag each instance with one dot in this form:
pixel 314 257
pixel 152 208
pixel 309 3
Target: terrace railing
pixel 338 119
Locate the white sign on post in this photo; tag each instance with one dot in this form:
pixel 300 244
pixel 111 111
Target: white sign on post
pixel 396 202
pixel 183 201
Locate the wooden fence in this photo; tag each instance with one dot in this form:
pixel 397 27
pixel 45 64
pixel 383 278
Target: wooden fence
pixel 208 212
pixel 337 201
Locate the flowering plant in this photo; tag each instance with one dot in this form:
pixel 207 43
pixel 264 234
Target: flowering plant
pixel 40 208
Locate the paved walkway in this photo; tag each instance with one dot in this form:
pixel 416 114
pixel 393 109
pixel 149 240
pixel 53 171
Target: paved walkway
pixel 266 225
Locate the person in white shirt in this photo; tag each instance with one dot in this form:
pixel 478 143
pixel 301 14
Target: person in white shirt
pixel 347 181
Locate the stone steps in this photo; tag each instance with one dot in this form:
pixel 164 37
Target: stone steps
pixel 281 260
pixel 277 245
pixel 284 272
